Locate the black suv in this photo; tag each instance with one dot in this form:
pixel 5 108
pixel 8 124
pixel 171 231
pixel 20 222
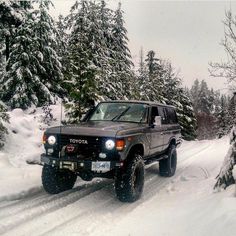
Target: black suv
pixel 114 140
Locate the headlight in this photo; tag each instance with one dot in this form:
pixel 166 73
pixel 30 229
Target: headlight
pixel 51 140
pixel 109 144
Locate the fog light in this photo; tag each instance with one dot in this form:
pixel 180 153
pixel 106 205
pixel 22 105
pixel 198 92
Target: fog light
pixel 102 155
pixel 50 150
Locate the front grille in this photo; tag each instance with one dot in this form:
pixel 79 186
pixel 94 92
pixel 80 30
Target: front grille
pixel 86 146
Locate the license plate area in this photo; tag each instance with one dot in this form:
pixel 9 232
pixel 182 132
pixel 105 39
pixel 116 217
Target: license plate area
pixel 68 165
pixel 101 166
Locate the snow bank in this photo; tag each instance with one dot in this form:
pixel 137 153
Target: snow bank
pixel 23 144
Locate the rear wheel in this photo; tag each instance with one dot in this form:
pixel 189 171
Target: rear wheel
pixel 55 181
pixel 129 184
pixel 167 167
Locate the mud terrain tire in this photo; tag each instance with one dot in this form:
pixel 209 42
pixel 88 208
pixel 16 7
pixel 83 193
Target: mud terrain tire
pixel 167 167
pixel 129 183
pixel 55 181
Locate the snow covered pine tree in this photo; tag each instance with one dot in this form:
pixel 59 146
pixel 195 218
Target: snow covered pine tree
pixel 226 176
pixel 4 117
pixel 33 71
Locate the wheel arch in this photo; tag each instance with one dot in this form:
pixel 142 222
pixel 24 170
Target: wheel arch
pixel 137 148
pixel 172 141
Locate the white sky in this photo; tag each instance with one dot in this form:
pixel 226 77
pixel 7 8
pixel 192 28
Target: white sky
pixel 185 32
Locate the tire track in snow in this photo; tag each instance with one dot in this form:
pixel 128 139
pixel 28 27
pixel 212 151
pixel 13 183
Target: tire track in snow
pixel 30 213
pixel 27 213
pixel 36 200
pixel 153 184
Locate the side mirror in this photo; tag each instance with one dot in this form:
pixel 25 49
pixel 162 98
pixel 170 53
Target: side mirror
pixel 157 121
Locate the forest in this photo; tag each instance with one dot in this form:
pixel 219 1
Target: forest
pixel 53 69
pixel 83 58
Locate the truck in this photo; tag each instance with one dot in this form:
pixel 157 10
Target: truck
pixel 115 140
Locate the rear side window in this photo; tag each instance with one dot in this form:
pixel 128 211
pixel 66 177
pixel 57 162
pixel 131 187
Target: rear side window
pixel 161 113
pixel 153 114
pixel 171 115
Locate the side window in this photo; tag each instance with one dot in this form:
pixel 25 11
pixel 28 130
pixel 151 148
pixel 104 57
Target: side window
pixel 171 115
pixel 162 114
pixel 153 114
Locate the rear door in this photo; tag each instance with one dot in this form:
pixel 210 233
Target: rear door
pixel 165 125
pixel 156 133
pixel 170 125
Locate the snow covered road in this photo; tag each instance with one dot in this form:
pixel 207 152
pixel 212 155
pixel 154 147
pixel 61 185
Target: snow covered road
pixel 182 205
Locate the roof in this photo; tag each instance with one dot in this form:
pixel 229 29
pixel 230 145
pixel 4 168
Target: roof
pixel 139 101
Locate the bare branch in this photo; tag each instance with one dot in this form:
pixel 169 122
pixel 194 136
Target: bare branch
pixel 227 69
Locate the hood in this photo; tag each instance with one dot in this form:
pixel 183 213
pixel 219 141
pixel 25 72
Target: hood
pixel 94 128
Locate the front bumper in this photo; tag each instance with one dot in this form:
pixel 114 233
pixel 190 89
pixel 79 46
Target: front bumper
pixel 76 165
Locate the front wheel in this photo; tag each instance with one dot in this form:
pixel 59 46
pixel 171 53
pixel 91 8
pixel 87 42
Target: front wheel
pixel 129 185
pixel 55 181
pixel 167 167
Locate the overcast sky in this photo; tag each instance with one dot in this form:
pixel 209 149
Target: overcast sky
pixel 187 33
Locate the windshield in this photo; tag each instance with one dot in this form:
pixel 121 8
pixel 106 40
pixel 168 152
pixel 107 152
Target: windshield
pixel 125 112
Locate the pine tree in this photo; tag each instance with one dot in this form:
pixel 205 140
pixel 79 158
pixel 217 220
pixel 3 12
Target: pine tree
pixel 61 49
pixel 99 59
pixel 121 58
pixel 82 70
pixel 225 177
pixel 203 96
pixel 2 58
pixel 172 83
pixel 232 112
pixel 45 30
pixel 101 17
pixel 155 84
pixel 62 40
pixel 33 70
pixel 194 93
pixel 4 117
pixel 12 14
pixel 223 117
pixel 175 95
pixel 186 116
pixel 142 79
pixel 207 110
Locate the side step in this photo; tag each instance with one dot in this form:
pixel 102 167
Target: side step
pixel 154 159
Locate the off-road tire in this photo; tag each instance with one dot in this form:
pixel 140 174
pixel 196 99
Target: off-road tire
pixel 167 167
pixel 55 181
pixel 129 183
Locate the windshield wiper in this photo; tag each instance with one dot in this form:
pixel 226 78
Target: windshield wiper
pixel 117 117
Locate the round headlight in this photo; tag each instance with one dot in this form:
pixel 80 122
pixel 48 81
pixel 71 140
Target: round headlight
pixel 51 140
pixel 109 144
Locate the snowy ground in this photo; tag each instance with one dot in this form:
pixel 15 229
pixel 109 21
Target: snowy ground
pixel 182 205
